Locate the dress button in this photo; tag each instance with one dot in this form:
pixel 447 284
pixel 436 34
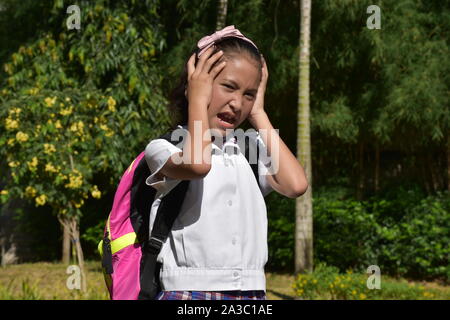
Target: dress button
pixel 230 202
pixel 234 241
pixel 236 274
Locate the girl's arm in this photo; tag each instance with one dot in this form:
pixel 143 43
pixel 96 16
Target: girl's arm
pixel 290 178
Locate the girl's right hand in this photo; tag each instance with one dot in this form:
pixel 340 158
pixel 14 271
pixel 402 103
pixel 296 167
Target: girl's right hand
pixel 201 77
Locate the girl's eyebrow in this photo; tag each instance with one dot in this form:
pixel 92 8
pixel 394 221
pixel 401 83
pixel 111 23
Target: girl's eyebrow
pixel 236 85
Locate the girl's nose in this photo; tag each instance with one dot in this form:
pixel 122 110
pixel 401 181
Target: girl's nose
pixel 236 102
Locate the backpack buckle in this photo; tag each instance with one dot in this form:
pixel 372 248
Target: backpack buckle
pixel 154 245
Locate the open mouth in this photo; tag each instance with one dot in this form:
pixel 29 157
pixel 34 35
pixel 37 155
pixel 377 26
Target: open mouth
pixel 226 119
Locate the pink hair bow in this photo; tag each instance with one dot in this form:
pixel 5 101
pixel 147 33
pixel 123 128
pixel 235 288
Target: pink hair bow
pixel 230 31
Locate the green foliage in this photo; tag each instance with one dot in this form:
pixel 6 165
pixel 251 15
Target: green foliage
pixel 326 282
pixel 403 232
pixel 281 225
pixel 343 232
pixel 71 101
pixel 404 235
pixel 417 245
pixel 381 83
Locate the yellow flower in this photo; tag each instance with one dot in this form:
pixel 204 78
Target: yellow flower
pixel 32 165
pixel 33 91
pixel 50 101
pixel 354 292
pixel 30 191
pixel 77 127
pixel 13 164
pixel 40 201
pixel 4 192
pixel 362 296
pixel 11 124
pixel 21 137
pixel 58 124
pixel 66 112
pixel 96 193
pixel 11 141
pixel 15 111
pixel 78 204
pixel 314 281
pixel 50 168
pixel 49 148
pixel 75 181
pixel 111 104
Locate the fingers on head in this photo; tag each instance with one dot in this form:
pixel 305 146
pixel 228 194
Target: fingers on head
pixel 217 68
pixel 191 65
pixel 208 59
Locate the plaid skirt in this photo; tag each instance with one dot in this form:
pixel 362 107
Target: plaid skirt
pixel 211 295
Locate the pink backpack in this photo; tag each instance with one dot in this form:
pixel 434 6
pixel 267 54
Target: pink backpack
pixel 129 250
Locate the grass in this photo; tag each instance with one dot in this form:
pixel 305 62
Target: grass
pixel 47 281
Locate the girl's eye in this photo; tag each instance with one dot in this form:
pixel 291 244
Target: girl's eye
pixel 250 95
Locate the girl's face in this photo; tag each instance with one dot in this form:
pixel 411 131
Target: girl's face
pixel 233 94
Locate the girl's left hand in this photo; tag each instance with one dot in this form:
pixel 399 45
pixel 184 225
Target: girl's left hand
pixel 258 106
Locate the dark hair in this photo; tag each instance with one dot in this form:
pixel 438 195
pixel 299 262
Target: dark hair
pixel 178 104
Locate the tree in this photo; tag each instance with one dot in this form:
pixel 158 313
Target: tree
pixel 303 221
pixel 79 103
pixel 221 14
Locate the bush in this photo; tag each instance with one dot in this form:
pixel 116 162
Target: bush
pixel 403 232
pixel 281 233
pixel 417 245
pixel 327 283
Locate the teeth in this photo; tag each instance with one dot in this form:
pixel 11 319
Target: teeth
pixel 227 118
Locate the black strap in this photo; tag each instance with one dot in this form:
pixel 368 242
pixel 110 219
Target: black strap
pixel 254 166
pixel 166 214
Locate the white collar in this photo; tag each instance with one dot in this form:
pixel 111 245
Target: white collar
pixel 227 142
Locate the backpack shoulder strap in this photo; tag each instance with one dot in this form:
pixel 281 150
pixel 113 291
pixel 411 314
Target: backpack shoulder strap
pixel 254 166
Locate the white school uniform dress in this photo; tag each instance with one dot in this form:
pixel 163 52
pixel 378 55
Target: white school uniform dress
pixel 219 240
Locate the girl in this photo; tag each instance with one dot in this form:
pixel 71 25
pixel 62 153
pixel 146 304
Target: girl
pixel 217 248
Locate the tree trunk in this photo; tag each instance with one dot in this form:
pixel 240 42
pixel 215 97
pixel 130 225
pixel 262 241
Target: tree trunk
pixel 432 162
pixel 422 164
pixel 303 220
pixel 377 168
pixel 360 187
pixel 72 225
pixel 448 162
pixel 66 246
pixel 221 14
